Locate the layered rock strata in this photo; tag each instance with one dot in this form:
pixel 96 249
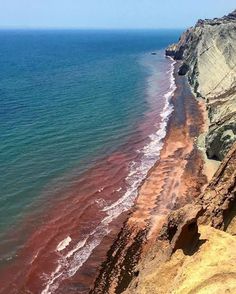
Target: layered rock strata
pixel 208 54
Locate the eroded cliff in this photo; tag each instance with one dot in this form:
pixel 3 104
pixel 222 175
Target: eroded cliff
pixel 208 51
pixel 195 251
pixel 180 237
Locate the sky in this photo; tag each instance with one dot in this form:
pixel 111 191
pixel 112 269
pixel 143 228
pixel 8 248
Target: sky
pixel 109 14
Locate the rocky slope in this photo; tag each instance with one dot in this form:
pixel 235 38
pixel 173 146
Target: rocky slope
pixel 195 252
pixel 180 237
pixel 208 52
pixel 210 270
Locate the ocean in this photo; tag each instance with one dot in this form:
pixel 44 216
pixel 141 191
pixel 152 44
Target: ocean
pixel 82 119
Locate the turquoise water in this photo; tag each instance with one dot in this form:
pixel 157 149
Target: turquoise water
pixel 67 98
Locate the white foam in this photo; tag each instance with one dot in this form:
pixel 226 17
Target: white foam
pixel 77 247
pixel 76 257
pixel 170 57
pixel 55 275
pixel 64 243
pixel 150 152
pixel 101 202
pixel 83 254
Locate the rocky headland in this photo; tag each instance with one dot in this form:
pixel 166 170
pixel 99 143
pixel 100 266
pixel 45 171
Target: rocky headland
pixel 181 234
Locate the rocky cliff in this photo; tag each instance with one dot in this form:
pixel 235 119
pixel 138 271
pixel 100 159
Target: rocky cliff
pixel 195 251
pixel 208 53
pixel 180 237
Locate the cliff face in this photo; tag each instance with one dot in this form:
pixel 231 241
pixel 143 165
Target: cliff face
pixel 208 52
pixel 210 270
pixel 180 237
pixel 195 252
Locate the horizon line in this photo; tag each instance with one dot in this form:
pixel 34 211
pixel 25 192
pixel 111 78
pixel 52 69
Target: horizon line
pixel 89 28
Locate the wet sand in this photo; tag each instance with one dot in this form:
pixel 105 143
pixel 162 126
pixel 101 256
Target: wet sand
pixel 176 179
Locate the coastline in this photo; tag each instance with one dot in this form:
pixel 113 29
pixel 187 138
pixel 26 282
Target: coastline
pixel 166 188
pixel 144 218
pixel 181 122
pixel 199 235
pixel 73 256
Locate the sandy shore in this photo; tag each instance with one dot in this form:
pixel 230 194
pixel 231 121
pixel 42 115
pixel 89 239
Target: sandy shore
pixel 175 180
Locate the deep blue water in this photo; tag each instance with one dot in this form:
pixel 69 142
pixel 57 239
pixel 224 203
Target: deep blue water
pixel 66 98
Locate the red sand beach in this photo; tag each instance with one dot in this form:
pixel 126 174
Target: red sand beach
pixel 175 176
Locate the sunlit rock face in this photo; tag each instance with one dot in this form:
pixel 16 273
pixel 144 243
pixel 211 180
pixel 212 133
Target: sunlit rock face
pixel 208 51
pixel 195 251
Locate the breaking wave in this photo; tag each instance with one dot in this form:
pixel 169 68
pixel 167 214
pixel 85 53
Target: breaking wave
pixel 70 262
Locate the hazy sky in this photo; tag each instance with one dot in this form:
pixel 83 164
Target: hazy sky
pixel 109 13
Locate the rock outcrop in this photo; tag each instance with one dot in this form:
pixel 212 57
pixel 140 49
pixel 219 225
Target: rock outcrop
pixel 208 53
pixel 219 198
pixel 210 270
pixel 195 251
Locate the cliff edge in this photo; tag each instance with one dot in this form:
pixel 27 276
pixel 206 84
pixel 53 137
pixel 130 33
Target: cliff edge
pixel 208 53
pixel 180 237
pixel 195 251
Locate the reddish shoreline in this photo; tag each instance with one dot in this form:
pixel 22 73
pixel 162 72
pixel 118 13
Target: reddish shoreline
pixel 73 217
pixel 167 187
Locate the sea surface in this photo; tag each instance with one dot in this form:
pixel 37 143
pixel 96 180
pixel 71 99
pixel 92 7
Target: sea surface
pixel 82 119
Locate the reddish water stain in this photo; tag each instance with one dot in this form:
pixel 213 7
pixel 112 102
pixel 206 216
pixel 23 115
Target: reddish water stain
pixel 77 212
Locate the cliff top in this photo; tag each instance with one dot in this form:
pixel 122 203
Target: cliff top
pixel 215 21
